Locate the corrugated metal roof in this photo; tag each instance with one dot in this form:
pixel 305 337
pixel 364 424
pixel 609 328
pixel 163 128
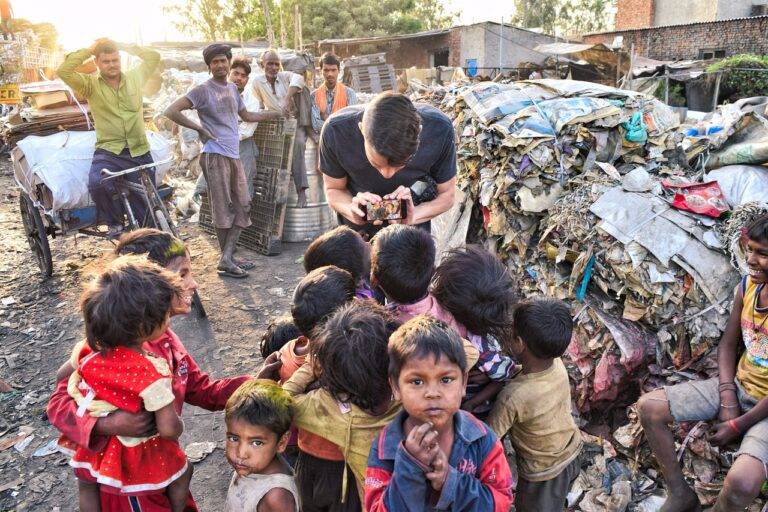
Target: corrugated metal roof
pixel 676 25
pixel 567 48
pixel 415 35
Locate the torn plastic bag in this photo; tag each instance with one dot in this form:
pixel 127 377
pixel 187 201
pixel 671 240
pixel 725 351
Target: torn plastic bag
pixel 703 198
pixel 635 129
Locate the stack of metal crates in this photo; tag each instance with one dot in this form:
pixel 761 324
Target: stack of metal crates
pixel 369 74
pixel 270 189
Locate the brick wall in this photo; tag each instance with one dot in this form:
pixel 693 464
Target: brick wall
pixel 634 14
pixel 748 35
pixel 454 53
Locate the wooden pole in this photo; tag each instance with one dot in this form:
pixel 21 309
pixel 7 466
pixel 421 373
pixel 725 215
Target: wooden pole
pixel 301 32
pixel 268 23
pixel 666 85
pixel 501 43
pixel 717 90
pixel 296 26
pixel 628 78
pixel 282 28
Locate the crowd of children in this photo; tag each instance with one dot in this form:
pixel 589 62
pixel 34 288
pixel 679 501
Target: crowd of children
pixel 388 388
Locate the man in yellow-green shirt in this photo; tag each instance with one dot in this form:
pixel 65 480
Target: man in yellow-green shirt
pixel 115 101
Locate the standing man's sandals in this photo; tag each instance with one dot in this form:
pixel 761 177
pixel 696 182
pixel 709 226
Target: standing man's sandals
pixel 244 264
pixel 234 272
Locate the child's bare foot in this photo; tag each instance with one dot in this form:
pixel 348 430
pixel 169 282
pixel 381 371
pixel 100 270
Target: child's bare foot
pixel 681 500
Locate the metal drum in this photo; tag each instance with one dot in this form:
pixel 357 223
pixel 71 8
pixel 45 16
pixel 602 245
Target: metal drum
pixel 303 224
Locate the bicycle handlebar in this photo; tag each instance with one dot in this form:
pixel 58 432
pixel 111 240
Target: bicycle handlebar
pixel 107 174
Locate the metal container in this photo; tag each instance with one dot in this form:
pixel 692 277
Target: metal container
pixel 303 224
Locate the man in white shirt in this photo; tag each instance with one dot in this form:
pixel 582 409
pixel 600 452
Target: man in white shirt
pixel 277 90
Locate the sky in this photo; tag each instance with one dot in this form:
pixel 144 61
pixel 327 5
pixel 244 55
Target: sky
pixel 469 12
pixel 79 22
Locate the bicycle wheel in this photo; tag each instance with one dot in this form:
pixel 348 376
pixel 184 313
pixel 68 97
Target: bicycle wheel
pixel 37 237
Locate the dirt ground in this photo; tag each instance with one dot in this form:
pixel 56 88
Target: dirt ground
pixel 39 323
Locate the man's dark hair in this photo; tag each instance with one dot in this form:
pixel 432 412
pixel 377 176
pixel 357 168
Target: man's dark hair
pixel 318 295
pixel 261 402
pixel 128 301
pixel 159 246
pixel 350 354
pixel 476 288
pixel 342 247
pixel 239 62
pixel 402 262
pixel 329 59
pixel 757 230
pixel 104 47
pixel 422 336
pixel 280 331
pixel 544 325
pixel 391 125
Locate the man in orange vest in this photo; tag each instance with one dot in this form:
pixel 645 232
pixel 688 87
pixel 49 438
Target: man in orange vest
pixel 332 95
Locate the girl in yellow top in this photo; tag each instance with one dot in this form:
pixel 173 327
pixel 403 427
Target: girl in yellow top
pixel 736 399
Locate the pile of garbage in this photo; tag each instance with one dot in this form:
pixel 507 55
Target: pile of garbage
pixel 574 180
pixel 603 198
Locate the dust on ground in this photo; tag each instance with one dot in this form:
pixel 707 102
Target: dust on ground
pixel 39 323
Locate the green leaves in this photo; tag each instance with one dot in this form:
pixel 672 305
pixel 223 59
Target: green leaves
pixel 563 17
pixel 321 19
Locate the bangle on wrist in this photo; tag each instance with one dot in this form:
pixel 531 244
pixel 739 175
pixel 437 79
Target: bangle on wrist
pixel 734 426
pixel 729 406
pixel 727 385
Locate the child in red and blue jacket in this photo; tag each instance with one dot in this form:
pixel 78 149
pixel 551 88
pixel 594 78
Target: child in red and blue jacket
pixel 433 456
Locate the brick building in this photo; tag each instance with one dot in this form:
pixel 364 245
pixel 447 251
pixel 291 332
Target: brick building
pixel 479 45
pixel 699 40
pixel 656 13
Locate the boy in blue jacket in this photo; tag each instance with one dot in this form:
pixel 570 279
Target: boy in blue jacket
pixel 433 456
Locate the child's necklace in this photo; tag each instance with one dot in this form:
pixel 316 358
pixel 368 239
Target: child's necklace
pixel 755 327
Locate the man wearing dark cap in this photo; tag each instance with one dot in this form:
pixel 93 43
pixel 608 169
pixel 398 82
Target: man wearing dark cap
pixel 219 107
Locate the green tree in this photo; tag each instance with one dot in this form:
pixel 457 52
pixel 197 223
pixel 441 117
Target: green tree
pixel 244 20
pixel 199 18
pixel 563 17
pixel 320 19
pixel 432 15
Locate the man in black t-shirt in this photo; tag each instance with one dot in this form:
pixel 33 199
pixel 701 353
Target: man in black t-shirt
pixel 378 151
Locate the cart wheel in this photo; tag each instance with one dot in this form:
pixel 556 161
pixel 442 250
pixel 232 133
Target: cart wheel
pixel 197 305
pixel 36 235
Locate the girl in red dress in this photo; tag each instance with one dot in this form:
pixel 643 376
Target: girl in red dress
pixel 127 304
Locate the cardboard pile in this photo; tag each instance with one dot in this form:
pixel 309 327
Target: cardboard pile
pixel 577 187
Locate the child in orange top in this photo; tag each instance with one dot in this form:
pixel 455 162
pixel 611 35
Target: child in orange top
pixel 320 464
pixel 128 304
